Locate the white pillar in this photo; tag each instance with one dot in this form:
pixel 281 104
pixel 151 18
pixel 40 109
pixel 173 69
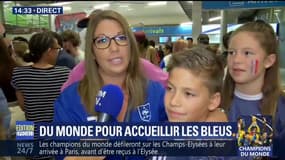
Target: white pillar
pixel 223 27
pixel 196 19
pixel 52 22
pixel 282 38
pixel 1 12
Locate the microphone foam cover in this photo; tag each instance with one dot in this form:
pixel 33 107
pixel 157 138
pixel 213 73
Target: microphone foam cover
pixel 110 100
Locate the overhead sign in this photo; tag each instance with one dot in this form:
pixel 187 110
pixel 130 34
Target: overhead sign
pixel 187 30
pixel 165 30
pixel 241 4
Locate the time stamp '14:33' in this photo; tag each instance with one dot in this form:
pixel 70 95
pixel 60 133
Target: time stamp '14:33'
pixel 37 10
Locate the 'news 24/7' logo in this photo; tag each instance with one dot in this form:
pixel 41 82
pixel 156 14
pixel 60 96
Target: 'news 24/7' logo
pixel 37 10
pixel 24 130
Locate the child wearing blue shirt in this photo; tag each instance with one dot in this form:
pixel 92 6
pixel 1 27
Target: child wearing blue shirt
pixel 252 84
pixel 193 92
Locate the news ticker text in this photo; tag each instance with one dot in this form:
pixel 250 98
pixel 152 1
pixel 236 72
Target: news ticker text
pixel 122 148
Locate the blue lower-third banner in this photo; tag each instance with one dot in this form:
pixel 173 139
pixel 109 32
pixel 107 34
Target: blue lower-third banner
pixel 126 131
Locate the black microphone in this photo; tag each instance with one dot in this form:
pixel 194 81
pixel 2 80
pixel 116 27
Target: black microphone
pixel 109 103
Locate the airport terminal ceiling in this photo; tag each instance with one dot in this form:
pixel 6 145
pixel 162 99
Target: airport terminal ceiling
pixel 145 13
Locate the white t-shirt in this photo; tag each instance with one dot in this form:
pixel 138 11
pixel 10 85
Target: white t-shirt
pixel 80 56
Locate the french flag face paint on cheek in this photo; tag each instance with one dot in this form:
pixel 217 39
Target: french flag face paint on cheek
pixel 254 67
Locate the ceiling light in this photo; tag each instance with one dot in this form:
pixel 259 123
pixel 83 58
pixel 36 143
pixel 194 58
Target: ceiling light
pixel 277 10
pixel 186 24
pixel 67 8
pixel 60 3
pixel 100 6
pixel 7 3
pixel 190 1
pixel 215 19
pixel 157 3
pixel 129 9
pixel 124 6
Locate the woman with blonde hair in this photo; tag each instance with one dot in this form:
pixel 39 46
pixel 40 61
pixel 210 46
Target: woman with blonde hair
pixel 112 57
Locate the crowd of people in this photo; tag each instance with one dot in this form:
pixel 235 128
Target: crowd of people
pixel 52 80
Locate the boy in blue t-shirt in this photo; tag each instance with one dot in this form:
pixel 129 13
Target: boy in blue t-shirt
pixel 193 92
